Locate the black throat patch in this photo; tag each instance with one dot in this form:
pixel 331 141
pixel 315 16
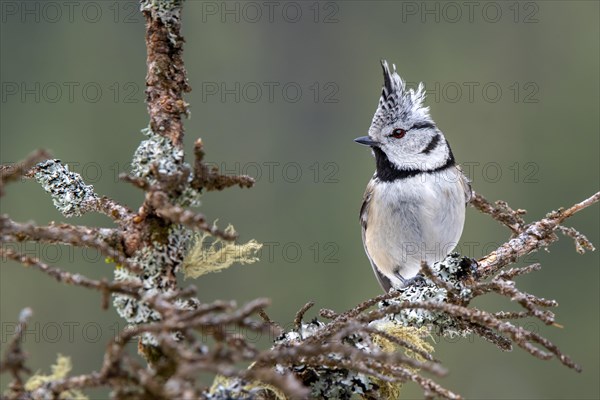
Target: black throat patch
pixel 388 172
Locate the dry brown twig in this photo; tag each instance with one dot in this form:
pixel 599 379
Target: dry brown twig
pixel 14 357
pixel 13 172
pixel 208 178
pixel 501 212
pixel 534 236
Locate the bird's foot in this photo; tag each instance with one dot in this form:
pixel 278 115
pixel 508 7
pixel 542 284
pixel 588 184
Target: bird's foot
pixel 417 280
pixel 469 268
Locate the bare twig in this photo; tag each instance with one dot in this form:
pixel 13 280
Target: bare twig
pixel 501 212
pixel 582 243
pixel 179 215
pixel 561 215
pixel 301 312
pixel 535 236
pixel 520 336
pixel 127 288
pixel 107 241
pixel 13 172
pixel 14 357
pixel 208 178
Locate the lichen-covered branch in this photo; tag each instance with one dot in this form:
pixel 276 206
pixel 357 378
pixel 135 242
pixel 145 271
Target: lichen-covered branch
pixel 369 350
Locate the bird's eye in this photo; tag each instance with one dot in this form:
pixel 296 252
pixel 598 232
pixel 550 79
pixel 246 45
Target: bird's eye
pixel 398 133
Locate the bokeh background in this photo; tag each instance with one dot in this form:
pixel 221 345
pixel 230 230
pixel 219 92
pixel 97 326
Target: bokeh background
pixel 279 92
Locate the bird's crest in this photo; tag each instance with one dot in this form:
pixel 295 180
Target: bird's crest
pixel 397 103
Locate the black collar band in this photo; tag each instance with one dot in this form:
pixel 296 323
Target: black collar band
pixel 388 172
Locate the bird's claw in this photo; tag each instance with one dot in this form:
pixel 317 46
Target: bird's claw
pixel 469 267
pixel 417 280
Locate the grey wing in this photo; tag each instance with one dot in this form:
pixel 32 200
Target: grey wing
pixel 364 213
pixel 466 185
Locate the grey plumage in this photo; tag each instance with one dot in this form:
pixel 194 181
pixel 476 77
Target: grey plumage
pixel 414 206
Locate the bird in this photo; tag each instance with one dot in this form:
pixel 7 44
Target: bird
pixel 414 206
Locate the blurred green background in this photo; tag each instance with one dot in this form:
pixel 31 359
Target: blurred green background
pixel 280 89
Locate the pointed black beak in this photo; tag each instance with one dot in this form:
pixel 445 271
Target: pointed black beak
pixel 367 141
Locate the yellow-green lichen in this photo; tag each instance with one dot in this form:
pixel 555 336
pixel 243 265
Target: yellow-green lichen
pixel 206 257
pixel 60 370
pixel 408 334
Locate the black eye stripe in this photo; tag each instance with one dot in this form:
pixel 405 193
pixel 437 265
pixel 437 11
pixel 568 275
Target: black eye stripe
pixel 432 145
pixel 422 125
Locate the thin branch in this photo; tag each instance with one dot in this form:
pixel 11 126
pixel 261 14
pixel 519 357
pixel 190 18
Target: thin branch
pixel 127 288
pixel 166 80
pixel 535 236
pixel 501 212
pixel 179 215
pixel 582 243
pixel 521 336
pixel 561 215
pixel 14 357
pixel 208 178
pixel 301 312
pixel 107 241
pixel 117 212
pixel 13 172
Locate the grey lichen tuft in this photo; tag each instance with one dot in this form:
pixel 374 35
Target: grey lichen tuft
pixel 158 155
pixel 340 384
pixel 167 11
pixel 240 389
pixel 71 196
pixel 448 270
pixel 157 264
pixel 156 151
pixel 326 382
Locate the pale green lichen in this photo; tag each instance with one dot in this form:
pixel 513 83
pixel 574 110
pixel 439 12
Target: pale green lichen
pixel 70 195
pixel 60 370
pixel 205 257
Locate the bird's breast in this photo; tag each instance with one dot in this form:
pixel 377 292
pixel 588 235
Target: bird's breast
pixel 414 219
